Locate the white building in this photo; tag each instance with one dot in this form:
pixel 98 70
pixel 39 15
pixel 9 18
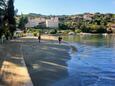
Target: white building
pixel 32 22
pixel 113 27
pixel 88 16
pixel 53 22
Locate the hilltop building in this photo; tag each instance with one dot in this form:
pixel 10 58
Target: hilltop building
pixel 88 16
pixel 51 23
pixel 113 27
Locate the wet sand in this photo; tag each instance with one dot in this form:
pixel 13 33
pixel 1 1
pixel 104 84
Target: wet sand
pixel 46 61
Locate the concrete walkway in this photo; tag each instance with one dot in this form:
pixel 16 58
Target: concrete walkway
pixel 13 71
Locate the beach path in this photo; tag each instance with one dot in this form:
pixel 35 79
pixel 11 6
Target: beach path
pixel 13 71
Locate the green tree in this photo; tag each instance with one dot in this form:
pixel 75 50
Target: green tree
pixel 11 17
pixel 7 18
pixel 23 21
pixel 63 26
pixel 3 13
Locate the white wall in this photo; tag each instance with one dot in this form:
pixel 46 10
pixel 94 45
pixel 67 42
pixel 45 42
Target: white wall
pixel 52 23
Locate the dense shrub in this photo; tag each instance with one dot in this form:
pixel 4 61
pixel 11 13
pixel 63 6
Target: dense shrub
pixel 54 31
pixel 35 33
pixel 77 31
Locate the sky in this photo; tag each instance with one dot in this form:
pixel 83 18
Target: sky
pixel 64 7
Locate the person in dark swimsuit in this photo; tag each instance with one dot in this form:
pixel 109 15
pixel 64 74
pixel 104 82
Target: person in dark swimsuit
pixel 59 39
pixel 39 38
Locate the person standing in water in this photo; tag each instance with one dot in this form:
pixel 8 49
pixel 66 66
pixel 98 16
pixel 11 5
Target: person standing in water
pixel 59 39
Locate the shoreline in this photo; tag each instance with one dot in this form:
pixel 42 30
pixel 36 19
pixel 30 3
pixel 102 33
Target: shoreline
pixel 46 61
pixel 96 33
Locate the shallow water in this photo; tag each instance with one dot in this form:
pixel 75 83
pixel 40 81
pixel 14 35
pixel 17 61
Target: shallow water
pixel 93 64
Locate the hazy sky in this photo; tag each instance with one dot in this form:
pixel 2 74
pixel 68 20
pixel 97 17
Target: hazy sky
pixel 64 7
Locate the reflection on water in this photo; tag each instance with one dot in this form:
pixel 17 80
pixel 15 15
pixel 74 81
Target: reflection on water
pixel 94 62
pixel 94 40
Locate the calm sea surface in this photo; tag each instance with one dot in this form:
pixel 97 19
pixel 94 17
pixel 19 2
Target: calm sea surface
pixel 93 63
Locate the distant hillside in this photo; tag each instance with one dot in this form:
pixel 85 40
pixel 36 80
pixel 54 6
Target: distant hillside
pixel 35 15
